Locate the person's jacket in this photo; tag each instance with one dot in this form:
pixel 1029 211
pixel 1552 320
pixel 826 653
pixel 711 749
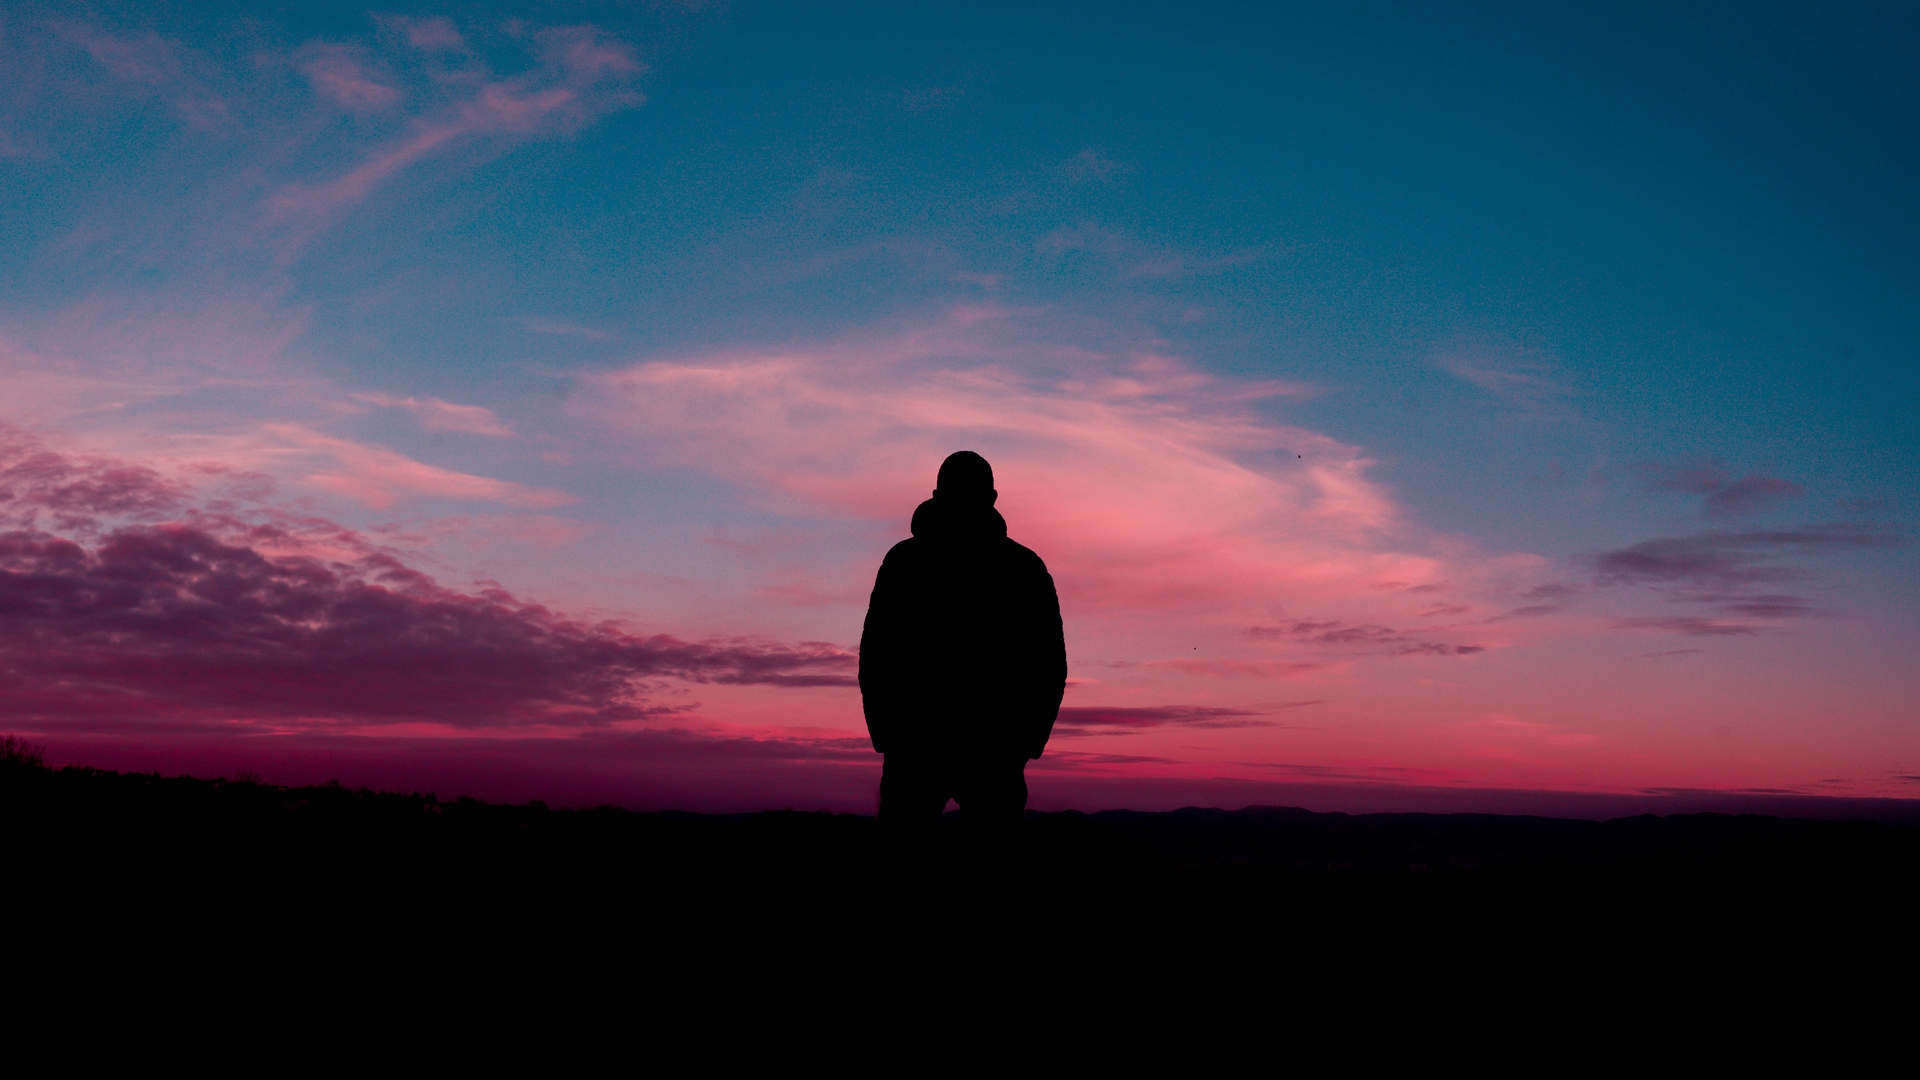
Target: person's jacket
pixel 963 651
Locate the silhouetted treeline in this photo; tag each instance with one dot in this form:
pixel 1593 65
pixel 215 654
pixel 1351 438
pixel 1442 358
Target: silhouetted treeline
pixel 183 866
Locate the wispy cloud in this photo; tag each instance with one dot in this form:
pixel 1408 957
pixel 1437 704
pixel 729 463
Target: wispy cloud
pixel 437 415
pixel 579 75
pixel 379 477
pixel 1147 484
pixel 340 76
pixel 1335 632
pixel 1526 378
pixel 1691 625
pixel 1132 258
pixel 1082 721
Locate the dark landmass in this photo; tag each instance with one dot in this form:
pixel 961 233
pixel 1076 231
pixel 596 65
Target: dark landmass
pixel 151 866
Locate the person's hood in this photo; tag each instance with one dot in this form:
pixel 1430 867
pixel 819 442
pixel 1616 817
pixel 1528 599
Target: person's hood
pixel 939 519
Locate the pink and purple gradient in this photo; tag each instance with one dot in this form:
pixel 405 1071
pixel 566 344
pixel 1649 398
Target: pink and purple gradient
pixel 437 404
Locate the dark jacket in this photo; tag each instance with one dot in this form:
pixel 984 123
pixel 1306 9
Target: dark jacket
pixel 963 652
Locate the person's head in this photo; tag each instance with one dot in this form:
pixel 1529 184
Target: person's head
pixel 966 477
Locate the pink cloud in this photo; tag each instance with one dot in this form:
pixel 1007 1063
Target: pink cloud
pixel 336 75
pixel 437 415
pixel 495 108
pixel 582 74
pixel 1165 500
pixel 38 485
pixel 587 54
pixel 104 363
pixel 371 475
pixel 1082 721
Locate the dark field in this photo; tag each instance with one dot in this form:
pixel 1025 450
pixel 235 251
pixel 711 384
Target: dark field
pixel 239 842
pixel 174 874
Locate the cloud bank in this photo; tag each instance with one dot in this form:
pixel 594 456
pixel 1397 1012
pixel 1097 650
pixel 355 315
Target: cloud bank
pixel 1733 575
pixel 1722 494
pixel 125 601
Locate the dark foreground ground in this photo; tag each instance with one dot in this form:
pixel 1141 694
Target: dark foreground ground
pixel 1148 911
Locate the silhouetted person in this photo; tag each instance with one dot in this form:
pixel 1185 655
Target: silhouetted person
pixel 962 661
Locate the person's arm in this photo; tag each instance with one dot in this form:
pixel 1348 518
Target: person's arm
pixel 879 662
pixel 1049 660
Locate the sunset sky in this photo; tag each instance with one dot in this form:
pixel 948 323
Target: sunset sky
pixel 517 400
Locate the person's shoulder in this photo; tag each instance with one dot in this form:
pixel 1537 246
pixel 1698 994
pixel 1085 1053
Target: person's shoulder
pixel 905 551
pixel 1024 556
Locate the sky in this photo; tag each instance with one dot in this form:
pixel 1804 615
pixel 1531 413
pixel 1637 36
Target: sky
pixel 1416 405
